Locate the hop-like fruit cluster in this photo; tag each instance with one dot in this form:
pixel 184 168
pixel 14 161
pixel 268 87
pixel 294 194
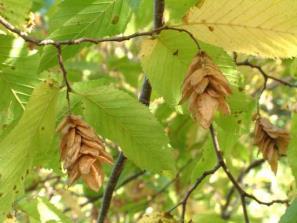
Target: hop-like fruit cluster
pixel 271 140
pixel 82 152
pixel 206 88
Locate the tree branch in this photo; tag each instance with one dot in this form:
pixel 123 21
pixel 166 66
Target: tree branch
pixel 112 182
pixel 264 74
pixel 44 42
pixel 184 201
pixel 243 193
pixel 166 186
pixel 144 99
pixel 224 208
pixel 98 197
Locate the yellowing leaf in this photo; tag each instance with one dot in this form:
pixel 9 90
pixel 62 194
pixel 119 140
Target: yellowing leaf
pixel 15 12
pixel 259 27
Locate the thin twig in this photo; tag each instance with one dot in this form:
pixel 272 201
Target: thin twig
pixel 188 33
pixel 44 42
pixel 264 74
pixel 65 78
pixel 166 186
pixel 244 209
pixel 230 193
pixel 126 181
pixel 98 197
pixel 184 201
pixel 242 192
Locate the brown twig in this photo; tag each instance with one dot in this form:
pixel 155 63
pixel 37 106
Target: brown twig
pixel 44 42
pixel 228 173
pixel 188 33
pixel 264 74
pixel 184 201
pixel 112 182
pixel 98 197
pixel 144 99
pixel 230 193
pixel 166 186
pixel 65 78
pixel 243 193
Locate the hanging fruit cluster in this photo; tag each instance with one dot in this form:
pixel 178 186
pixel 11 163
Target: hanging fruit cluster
pixel 206 88
pixel 82 152
pixel 271 140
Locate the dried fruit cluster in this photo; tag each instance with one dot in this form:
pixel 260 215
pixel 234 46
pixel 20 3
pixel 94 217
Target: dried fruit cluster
pixel 82 152
pixel 206 88
pixel 272 141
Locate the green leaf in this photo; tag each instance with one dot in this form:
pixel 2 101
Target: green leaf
pixel 292 148
pixel 207 160
pixel 225 63
pixel 41 210
pixel 26 141
pixel 291 214
pixel 248 27
pixel 165 61
pixel 178 131
pixel 18 73
pixel 88 18
pixel 144 14
pixel 130 69
pixel 232 127
pixel 15 12
pixel 122 119
pixel 30 208
pixel 178 8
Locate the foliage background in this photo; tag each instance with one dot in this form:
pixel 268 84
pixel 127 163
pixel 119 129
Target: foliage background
pixel 162 139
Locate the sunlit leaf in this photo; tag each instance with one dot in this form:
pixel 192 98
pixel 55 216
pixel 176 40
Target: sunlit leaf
pixel 259 27
pixel 119 117
pixel 14 12
pixel 25 142
pixel 88 18
pixel 165 61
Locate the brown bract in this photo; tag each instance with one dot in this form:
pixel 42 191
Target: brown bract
pixel 206 88
pixel 82 152
pixel 271 140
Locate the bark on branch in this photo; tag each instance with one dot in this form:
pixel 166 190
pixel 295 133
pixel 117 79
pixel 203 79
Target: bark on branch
pixel 144 99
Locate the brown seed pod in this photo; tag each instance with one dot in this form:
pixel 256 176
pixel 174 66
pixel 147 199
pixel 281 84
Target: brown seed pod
pixel 271 140
pixel 82 152
pixel 206 88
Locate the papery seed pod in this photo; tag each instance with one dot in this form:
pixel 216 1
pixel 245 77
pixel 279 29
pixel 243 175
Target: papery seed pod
pixel 82 152
pixel 206 88
pixel 271 140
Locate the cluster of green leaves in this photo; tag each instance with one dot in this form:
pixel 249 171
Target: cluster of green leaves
pixel 106 80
